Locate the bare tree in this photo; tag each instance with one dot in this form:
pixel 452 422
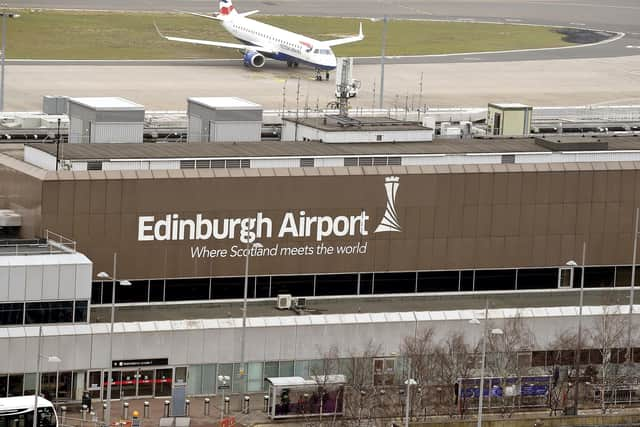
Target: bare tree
pixel 454 361
pixel 505 363
pixel 562 351
pixel 607 336
pixel 419 352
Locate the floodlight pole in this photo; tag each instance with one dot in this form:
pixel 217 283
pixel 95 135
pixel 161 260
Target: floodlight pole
pixel 576 395
pixel 37 385
pixel 4 37
pixel 107 415
pixel 632 289
pixel 384 42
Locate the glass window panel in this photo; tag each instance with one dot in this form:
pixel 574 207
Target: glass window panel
pixel 4 385
pixel 48 385
pixel 138 291
pixel 302 368
pixel 495 280
pixel 96 293
pixel 49 312
pixel 29 384
pixel 164 380
pixel 181 374
pixel 254 374
pixel 237 379
pixel 438 281
pixel 15 385
pixel 598 277
pixel 297 286
pixel 227 287
pixel 263 287
pixel 270 370
pixel 156 290
pixel 81 311
pixel 538 278
pixel 209 378
pixel 11 313
pixel 366 283
pixel 187 289
pixel 336 284
pixel 390 283
pixel 106 292
pixel 286 368
pixel 466 281
pixel 194 385
pixel 93 386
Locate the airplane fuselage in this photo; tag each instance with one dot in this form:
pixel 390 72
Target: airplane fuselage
pixel 288 46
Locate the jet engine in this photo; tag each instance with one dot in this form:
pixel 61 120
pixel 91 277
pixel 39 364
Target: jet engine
pixel 253 59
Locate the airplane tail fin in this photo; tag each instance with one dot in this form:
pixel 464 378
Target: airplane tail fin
pixel 226 8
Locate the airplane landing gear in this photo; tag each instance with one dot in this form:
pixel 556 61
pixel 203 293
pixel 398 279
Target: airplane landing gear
pixel 318 75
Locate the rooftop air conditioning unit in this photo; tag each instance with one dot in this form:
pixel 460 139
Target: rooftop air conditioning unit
pixel 300 302
pixel 284 301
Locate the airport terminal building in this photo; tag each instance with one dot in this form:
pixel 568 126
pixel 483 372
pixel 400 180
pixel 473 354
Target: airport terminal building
pixel 184 220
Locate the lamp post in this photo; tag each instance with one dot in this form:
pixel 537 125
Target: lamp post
pixel 409 382
pixel 573 265
pixel 384 43
pixel 5 15
pixel 632 289
pixel 485 331
pixel 103 275
pixel 244 310
pixel 50 359
pixel 223 379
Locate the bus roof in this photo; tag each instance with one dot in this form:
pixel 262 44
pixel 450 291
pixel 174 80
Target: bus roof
pixel 22 402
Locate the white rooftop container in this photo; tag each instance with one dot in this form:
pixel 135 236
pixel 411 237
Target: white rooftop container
pixel 105 119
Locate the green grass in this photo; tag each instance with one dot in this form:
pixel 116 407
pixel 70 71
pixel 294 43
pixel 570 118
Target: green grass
pixel 114 35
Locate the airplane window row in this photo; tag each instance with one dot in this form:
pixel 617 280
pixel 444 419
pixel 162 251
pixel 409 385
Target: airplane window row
pixel 293 45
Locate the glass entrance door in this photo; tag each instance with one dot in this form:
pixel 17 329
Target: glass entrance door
pixel 129 383
pixel 164 379
pixel 145 383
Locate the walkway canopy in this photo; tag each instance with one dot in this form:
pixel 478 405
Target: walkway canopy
pixel 291 397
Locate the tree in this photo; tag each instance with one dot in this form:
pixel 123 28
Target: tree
pixel 607 337
pixel 454 360
pixel 504 362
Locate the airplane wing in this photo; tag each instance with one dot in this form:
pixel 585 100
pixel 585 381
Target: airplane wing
pixel 217 44
pixel 345 40
pixel 251 12
pixel 202 15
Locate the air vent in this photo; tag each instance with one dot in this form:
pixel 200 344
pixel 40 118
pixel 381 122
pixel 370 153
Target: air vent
pixel 203 164
pixel 307 163
pixel 187 164
pixel 94 165
pixel 394 161
pixel 233 164
pixel 351 161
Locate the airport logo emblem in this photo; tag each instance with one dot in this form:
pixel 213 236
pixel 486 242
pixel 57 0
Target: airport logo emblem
pixel 390 221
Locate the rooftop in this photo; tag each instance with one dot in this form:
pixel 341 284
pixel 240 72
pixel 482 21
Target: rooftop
pixel 225 102
pixel 313 148
pixel 342 124
pixel 107 103
pixel 509 105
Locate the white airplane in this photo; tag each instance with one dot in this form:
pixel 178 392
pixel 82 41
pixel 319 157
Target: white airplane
pixel 261 40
